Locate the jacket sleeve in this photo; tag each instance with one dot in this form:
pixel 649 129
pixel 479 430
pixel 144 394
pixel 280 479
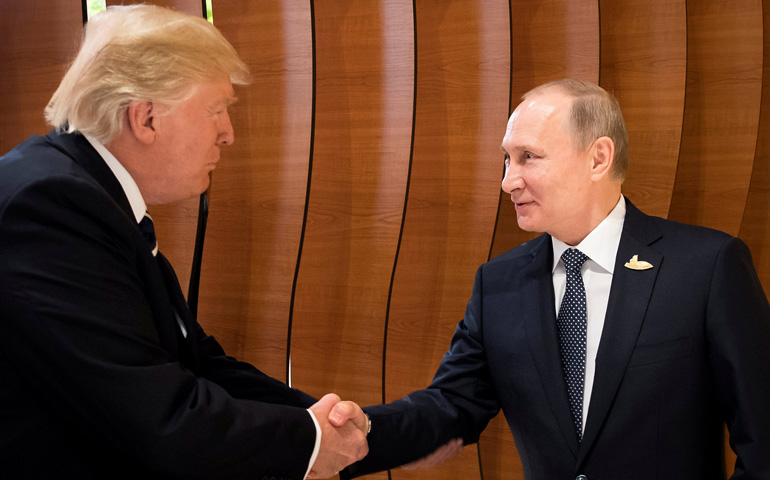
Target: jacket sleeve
pixel 459 403
pixel 78 325
pixel 738 324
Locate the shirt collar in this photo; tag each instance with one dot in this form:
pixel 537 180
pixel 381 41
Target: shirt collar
pixel 130 188
pixel 601 245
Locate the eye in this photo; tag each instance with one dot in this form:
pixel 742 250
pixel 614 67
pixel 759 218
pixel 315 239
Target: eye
pixel 507 161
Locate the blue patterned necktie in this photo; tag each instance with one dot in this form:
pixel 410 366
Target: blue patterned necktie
pixel 148 230
pixel 571 324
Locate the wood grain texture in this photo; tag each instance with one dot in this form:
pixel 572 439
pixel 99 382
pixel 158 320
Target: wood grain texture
pixel 360 165
pixel 721 114
pixel 755 226
pixel 462 99
pixel 39 39
pixel 259 188
pixel 644 63
pixel 551 39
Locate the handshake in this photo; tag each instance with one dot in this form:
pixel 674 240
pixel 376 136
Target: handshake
pixel 344 427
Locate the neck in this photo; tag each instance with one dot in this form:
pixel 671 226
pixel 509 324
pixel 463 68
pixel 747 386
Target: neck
pixel 596 214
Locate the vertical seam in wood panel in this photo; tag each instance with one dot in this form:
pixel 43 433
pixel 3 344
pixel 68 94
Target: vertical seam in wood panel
pixel 406 201
pixel 502 177
pixel 759 126
pixel 84 10
pixel 684 105
pixel 307 194
pixel 510 109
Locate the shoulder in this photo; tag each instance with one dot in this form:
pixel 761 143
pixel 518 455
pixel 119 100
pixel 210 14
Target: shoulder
pixel 526 251
pixel 695 238
pixel 44 164
pixel 669 236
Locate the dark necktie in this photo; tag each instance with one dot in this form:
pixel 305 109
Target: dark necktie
pixel 572 334
pixel 148 230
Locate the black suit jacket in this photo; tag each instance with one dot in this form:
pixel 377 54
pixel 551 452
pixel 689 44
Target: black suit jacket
pixel 685 348
pixel 96 380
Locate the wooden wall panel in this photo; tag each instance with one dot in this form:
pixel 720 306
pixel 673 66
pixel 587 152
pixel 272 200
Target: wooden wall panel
pixel 551 39
pixel 360 165
pixel 39 38
pixel 721 114
pixel 755 227
pixel 644 59
pixel 462 100
pixel 259 188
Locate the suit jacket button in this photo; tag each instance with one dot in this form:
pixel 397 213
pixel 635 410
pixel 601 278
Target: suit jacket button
pixel 581 477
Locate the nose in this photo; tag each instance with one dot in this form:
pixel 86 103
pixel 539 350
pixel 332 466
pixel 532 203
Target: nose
pixel 226 135
pixel 512 179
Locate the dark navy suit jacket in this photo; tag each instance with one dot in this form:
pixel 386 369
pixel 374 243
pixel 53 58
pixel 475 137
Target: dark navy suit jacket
pixel 96 380
pixel 685 348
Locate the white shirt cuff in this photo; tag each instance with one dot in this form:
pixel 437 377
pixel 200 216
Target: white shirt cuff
pixel 317 443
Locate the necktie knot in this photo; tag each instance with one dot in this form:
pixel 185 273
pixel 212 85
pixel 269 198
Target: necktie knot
pixel 573 259
pixel 148 231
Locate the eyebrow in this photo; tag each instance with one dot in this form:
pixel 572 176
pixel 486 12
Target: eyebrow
pixel 526 148
pixel 226 102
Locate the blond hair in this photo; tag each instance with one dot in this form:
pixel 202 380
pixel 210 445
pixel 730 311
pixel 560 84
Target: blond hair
pixel 139 52
pixel 594 113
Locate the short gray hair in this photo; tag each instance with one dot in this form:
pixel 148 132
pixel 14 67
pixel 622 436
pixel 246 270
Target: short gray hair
pixel 138 53
pixel 594 113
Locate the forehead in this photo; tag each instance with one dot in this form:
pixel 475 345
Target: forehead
pixel 213 93
pixel 539 116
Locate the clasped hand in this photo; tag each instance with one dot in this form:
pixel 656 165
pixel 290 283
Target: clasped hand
pixel 343 435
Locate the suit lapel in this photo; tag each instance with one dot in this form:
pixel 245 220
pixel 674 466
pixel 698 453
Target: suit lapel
pixel 180 305
pixel 629 297
pixel 160 276
pixel 540 324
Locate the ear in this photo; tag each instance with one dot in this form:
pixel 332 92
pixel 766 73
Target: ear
pixel 602 158
pixel 142 121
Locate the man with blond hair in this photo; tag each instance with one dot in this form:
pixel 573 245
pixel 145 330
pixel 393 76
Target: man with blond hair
pixel 105 372
pixel 617 344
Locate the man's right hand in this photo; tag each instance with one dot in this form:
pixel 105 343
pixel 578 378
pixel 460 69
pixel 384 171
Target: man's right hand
pixel 340 446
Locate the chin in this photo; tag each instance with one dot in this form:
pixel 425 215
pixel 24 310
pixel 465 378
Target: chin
pixel 528 225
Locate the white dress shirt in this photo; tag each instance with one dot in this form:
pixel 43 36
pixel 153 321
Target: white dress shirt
pixel 139 207
pixel 601 248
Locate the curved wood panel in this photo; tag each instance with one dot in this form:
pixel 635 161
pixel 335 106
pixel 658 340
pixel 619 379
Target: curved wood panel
pixel 39 40
pixel 552 39
pixel 259 188
pixel 362 140
pixel 175 223
pixel 721 114
pixel 644 63
pixel 755 227
pixel 461 109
